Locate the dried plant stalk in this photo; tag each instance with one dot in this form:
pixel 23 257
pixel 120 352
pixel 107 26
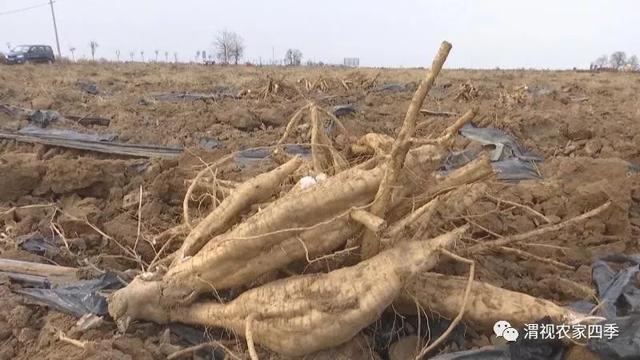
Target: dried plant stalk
pixel 400 148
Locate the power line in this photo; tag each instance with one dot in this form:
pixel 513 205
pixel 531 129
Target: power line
pixel 15 11
pixel 55 28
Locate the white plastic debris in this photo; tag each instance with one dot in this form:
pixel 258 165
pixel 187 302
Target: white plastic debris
pixel 307 182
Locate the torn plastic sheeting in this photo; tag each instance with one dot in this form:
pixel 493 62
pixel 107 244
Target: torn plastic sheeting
pixel 506 146
pixel 624 346
pixel 37 244
pixel 138 166
pixel 620 302
pixel 66 134
pixel 42 118
pixel 509 160
pixel 245 156
pixel 458 159
pixel 515 170
pixel 78 298
pixel 617 291
pixel 521 349
pixel 88 87
pixel 194 336
pixel 342 110
pixel 31 281
pixel 581 306
pixel 190 334
pixel 512 169
pixel 208 143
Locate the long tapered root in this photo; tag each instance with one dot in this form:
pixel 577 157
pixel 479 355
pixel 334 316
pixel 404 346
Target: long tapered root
pixel 253 191
pixel 444 295
pixel 303 314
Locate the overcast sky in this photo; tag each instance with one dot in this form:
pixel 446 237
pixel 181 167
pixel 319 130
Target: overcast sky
pixel 485 33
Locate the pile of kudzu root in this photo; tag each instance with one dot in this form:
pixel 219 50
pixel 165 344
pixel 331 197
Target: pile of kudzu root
pixel 369 217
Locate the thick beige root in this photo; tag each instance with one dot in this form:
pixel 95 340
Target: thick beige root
pixel 295 227
pixel 304 314
pixel 145 299
pixel 223 258
pixel 255 190
pixel 223 261
pixel 443 294
pixel 371 222
pixel 373 143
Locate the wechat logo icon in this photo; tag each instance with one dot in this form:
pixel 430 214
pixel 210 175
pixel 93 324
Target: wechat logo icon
pixel 503 329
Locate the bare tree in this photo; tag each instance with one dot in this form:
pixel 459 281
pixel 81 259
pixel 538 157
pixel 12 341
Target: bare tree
pixel 166 56
pixel 223 46
pixel 618 59
pixel 72 49
pixel 633 63
pixel 132 54
pixel 229 47
pixel 600 62
pixel 204 56
pixel 197 55
pixel 293 57
pixel 237 48
pixel 157 53
pixel 175 57
pixel 142 55
pixel 93 45
pixel 118 55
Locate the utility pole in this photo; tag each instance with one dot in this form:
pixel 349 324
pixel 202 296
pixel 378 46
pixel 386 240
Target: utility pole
pixel 55 28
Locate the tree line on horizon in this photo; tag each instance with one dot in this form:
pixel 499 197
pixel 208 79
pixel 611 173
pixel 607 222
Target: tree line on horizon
pixel 616 61
pixel 228 49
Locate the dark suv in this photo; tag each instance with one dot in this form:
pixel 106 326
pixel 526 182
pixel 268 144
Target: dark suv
pixel 31 53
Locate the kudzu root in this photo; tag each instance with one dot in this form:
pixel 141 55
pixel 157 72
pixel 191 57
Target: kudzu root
pixel 303 314
pixel 443 295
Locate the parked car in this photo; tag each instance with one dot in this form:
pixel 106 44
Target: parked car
pixel 31 53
